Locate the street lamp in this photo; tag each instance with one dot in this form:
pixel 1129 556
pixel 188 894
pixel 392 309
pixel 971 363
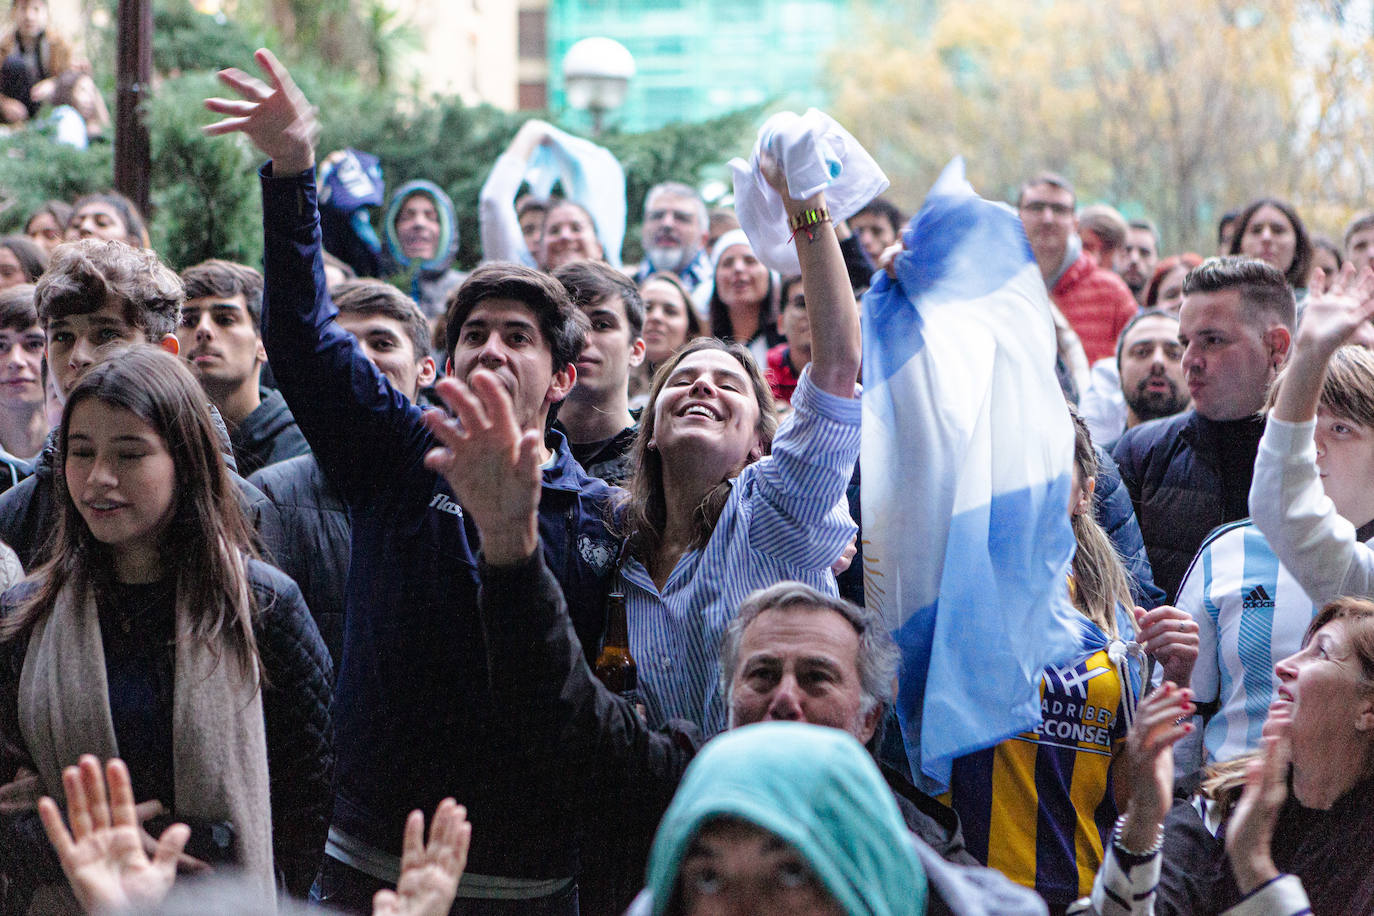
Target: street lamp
pixel 596 76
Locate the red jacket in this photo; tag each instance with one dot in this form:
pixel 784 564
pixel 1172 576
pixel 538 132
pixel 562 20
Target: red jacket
pixel 1097 304
pixel 781 377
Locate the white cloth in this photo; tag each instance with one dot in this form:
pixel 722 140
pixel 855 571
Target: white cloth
pixel 816 154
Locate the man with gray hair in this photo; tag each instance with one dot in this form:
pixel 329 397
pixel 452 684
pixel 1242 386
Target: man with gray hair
pixel 674 234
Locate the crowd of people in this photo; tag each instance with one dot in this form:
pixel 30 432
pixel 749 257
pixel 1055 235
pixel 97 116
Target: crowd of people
pixel 294 557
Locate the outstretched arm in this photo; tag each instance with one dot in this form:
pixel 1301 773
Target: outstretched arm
pixel 276 117
pixel 340 400
pixel 836 345
pixel 1287 498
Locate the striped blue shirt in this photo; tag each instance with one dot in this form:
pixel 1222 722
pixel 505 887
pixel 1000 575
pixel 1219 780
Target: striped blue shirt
pixel 786 518
pixel 1251 613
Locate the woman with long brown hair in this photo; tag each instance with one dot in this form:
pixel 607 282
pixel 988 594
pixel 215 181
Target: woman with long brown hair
pixel 718 505
pixel 154 634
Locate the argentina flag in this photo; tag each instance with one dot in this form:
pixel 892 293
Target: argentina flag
pixel 967 469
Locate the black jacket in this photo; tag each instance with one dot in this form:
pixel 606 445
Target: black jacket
pixel 315 539
pixel 267 435
pixel 616 771
pixel 1172 468
pixel 296 714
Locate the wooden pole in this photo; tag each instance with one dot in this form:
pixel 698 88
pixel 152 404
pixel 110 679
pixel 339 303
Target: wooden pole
pixel 132 160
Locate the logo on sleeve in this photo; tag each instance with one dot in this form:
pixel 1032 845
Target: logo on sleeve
pixel 444 504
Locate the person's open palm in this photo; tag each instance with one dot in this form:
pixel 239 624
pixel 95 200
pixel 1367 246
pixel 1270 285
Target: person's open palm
pixel 429 872
pixel 103 855
pixel 275 115
pixel 1330 319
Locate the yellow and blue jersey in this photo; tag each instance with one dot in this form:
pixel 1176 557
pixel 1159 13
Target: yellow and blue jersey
pixel 1038 807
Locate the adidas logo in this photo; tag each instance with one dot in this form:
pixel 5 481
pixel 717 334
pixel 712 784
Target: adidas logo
pixel 1256 598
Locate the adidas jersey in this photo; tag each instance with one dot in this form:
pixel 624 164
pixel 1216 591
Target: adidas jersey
pixel 1039 807
pixel 1251 613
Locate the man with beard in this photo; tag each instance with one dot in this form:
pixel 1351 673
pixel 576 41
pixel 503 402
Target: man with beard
pixel 1136 262
pixel 1150 360
pixel 674 234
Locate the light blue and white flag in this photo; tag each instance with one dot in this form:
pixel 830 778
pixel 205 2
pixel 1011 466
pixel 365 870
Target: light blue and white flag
pixel 967 469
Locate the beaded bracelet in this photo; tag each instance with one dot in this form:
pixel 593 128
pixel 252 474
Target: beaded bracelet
pixel 808 220
pixel 1116 841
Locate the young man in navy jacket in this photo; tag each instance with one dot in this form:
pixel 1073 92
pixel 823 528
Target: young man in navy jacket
pixel 413 716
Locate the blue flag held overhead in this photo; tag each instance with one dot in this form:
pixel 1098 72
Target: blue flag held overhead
pixel 967 469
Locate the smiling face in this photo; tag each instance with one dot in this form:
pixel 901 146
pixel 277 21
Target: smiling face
pixel 417 227
pixel 121 478
pixel 503 336
pixel 1329 708
pixel 1269 236
pixel 219 341
pixel 741 278
pixel 21 367
pixel 1227 361
pixel 735 867
pixel 568 236
pixel 1152 378
pixel 707 413
pixel 665 320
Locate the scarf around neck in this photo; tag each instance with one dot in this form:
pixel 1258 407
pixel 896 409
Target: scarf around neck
pixel 219 739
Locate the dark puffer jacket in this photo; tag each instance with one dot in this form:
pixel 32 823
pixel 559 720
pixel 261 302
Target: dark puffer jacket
pixel 1172 469
pixel 296 714
pixel 1114 512
pixel 315 543
pixel 267 435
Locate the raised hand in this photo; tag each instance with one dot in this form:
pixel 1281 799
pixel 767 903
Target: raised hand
pixel 1251 828
pixel 103 855
pixel 1147 764
pixel 429 873
pixel 276 117
pixel 491 464
pixel 1171 636
pixel 1331 319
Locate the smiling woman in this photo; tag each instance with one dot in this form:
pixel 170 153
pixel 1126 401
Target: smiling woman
pixel 719 505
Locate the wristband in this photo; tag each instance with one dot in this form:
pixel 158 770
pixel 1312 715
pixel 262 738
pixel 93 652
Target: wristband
pixel 1142 854
pixel 808 220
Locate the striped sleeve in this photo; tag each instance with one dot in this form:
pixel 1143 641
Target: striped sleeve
pixel 797 508
pixel 1121 888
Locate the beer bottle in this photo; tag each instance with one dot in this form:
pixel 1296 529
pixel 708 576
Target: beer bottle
pixel 615 667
